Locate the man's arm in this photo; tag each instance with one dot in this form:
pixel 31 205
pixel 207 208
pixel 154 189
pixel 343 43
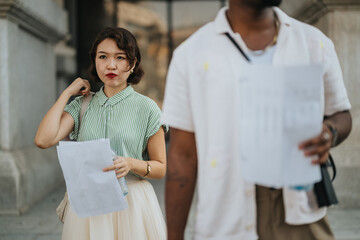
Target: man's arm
pixel 342 122
pixel 320 146
pixel 180 181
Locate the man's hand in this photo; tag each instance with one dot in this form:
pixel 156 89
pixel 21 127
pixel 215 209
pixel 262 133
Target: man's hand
pixel 318 146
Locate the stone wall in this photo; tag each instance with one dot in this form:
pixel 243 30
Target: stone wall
pixel 340 21
pixel 342 26
pixel 29 31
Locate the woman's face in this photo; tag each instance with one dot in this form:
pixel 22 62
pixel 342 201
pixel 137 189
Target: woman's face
pixel 112 65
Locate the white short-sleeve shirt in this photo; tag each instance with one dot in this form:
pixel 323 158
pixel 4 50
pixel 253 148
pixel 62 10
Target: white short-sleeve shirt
pixel 200 95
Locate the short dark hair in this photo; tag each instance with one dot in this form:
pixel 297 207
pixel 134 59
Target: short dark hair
pixel 124 41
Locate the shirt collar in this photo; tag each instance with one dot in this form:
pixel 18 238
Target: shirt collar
pixel 222 24
pixel 102 98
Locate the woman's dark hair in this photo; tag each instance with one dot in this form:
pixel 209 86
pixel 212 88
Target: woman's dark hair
pixel 124 41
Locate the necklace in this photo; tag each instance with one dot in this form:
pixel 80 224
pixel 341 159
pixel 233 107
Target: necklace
pixel 273 42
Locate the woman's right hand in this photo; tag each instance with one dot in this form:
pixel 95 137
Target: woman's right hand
pixel 57 124
pixel 78 87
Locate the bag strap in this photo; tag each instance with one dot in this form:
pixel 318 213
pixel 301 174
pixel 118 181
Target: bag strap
pixel 332 164
pixel 84 105
pixel 238 47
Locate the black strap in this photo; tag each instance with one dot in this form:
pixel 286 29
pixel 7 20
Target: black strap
pixel 238 47
pixel 332 164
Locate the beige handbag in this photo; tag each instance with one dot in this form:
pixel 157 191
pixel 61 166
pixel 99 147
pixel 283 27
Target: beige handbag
pixel 62 208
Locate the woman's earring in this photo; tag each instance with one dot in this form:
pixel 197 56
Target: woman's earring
pixel 131 71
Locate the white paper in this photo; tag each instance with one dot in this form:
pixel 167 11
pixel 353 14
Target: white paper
pixel 91 191
pixel 279 107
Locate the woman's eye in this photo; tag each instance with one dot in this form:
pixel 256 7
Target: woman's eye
pixel 120 57
pixel 102 56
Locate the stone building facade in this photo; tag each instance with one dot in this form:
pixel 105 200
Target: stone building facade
pixel 44 46
pixel 340 21
pixel 29 31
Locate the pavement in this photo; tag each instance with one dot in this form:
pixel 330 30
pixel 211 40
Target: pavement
pixel 41 222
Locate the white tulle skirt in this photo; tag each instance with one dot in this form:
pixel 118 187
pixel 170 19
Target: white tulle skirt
pixel 142 220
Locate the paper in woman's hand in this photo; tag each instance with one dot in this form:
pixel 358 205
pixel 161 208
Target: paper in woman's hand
pixel 91 191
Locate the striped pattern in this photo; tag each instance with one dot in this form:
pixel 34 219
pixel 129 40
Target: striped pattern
pixel 128 119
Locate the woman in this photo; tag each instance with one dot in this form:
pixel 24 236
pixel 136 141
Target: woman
pixel 132 123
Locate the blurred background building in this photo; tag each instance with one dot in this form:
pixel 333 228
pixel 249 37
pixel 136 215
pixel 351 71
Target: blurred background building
pixel 44 46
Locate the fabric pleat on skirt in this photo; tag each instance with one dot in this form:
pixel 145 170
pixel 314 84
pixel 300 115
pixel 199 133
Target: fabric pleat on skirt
pixel 142 220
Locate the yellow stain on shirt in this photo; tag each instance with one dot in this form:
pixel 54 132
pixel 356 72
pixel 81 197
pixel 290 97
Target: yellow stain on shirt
pixel 206 66
pixel 213 163
pixel 321 44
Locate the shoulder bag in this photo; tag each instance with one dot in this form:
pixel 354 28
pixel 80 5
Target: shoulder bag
pixel 62 208
pixel 324 190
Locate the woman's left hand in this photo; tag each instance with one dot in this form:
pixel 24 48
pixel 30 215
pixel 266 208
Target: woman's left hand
pixel 318 146
pixel 121 166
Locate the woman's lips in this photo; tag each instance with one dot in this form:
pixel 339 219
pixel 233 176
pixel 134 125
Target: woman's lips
pixel 111 75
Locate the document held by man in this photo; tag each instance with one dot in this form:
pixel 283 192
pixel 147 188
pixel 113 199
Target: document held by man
pixel 91 191
pixel 279 107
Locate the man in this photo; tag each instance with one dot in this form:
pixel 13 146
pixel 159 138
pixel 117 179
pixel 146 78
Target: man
pixel 200 94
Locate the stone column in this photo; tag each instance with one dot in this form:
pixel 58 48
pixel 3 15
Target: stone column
pixel 340 21
pixel 29 30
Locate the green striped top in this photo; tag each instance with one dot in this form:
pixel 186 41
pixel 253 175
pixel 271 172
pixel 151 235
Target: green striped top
pixel 128 119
